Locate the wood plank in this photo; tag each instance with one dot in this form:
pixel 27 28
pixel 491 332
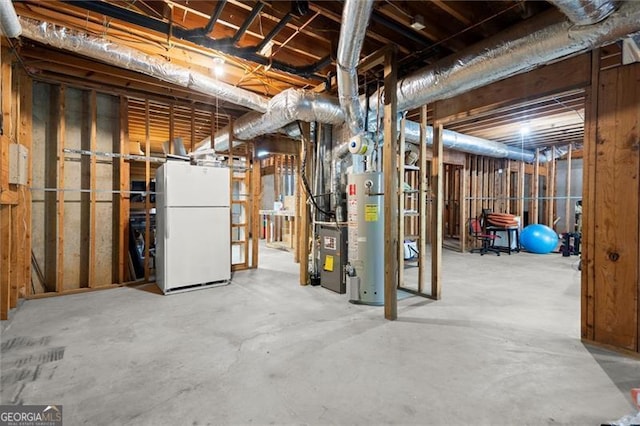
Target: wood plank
pixel 147 198
pixel 567 209
pixel 436 229
pixel 561 76
pixel 507 190
pixel 15 237
pixel 25 138
pixel 521 175
pixel 5 258
pixel 535 188
pixel 256 198
pixel 50 197
pixel 464 187
pixel 616 212
pixel 60 205
pixel 422 208
pixel 401 201
pixel 5 113
pixel 551 187
pixel 389 167
pixel 121 200
pixel 93 116
pixel 303 209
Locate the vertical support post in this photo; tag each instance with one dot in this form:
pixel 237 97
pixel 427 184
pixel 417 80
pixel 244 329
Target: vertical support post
pixel 25 138
pixel 50 197
pixel 422 208
pixel 535 188
pixel 5 255
pixel 389 167
pixel 147 198
pixel 551 187
pixel 192 143
pixel 256 196
pixel 172 128
pixel 567 207
pixel 303 216
pixel 93 114
pixel 507 188
pixel 589 201
pixel 462 220
pixel 401 204
pixel 60 205
pixel 438 190
pixel 121 182
pixel 521 191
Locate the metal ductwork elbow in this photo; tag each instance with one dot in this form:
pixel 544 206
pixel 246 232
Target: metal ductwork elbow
pixel 9 23
pixel 355 18
pixel 586 12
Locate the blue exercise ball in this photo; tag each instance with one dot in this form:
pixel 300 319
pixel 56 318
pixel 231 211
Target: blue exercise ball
pixel 538 239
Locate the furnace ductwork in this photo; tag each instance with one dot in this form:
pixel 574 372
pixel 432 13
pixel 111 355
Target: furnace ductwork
pixel 355 18
pixel 135 60
pixel 585 12
pixel 9 23
pixel 504 55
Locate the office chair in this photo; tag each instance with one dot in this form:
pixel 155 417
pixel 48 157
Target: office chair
pixel 476 230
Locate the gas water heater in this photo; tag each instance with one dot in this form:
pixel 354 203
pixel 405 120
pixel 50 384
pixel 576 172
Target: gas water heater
pixel 365 202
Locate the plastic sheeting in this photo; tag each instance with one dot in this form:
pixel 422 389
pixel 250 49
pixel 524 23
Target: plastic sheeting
pixel 135 60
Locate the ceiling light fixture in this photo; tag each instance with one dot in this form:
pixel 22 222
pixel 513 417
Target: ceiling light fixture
pixel 218 68
pixel 417 23
pixel 524 130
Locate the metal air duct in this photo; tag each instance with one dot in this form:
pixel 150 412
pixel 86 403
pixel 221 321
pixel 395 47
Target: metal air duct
pixel 512 52
pixel 135 60
pixel 585 12
pixel 9 23
pixel 355 18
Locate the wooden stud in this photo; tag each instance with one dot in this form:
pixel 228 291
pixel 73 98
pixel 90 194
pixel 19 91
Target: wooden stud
pixel 147 198
pixel 172 128
pixel 507 188
pixel 520 200
pixel 121 200
pixel 535 188
pixel 567 207
pixel 5 256
pixel 462 217
pixel 551 185
pixel 50 197
pixel 61 184
pixel 256 197
pixel 422 205
pixel 93 116
pixel 192 133
pixel 589 201
pixel 401 204
pixel 25 138
pixel 436 239
pixel 389 167
pixel 303 216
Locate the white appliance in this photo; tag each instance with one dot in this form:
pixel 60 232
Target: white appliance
pixel 193 238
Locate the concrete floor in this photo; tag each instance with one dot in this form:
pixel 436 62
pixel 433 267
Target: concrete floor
pixel 501 348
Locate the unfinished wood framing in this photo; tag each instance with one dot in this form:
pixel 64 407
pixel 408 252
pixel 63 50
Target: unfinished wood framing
pixel 389 166
pixel 147 197
pixel 567 212
pixel 438 196
pixel 303 209
pixel 60 185
pixel 422 209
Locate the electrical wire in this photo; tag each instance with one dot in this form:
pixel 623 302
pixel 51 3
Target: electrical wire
pixel 303 175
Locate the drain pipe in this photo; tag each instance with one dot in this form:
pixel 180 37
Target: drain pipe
pixel 9 23
pixel 585 12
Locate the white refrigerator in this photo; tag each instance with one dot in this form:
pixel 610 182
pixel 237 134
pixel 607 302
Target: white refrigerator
pixel 193 237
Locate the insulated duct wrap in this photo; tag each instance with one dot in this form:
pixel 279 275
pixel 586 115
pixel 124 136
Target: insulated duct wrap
pixel 585 12
pixel 512 53
pixel 284 108
pixel 465 143
pixel 135 60
pixel 355 18
pixel 9 23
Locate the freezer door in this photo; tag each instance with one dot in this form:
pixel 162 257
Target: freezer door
pixel 185 185
pixel 197 247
